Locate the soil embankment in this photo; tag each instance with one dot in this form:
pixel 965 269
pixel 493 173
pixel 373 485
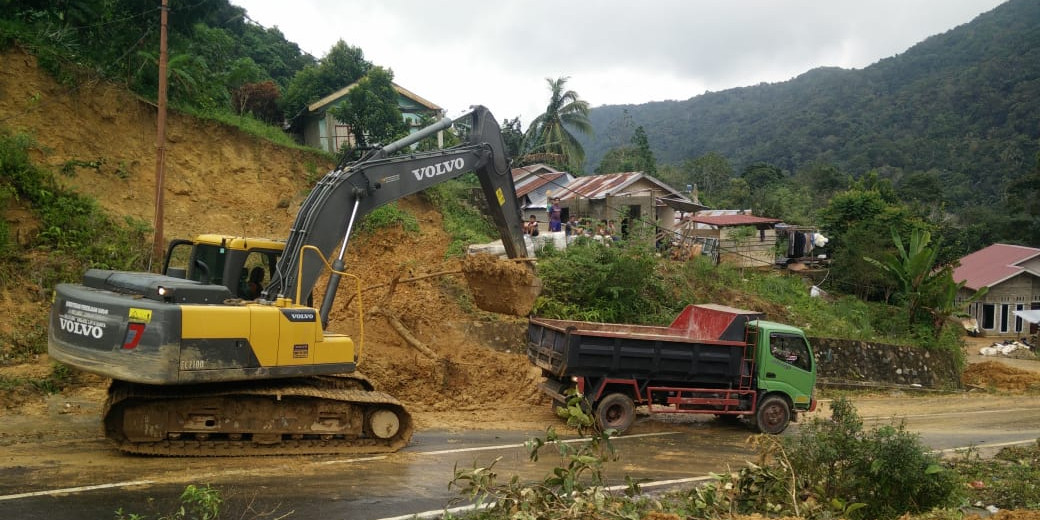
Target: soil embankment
pixel 221 180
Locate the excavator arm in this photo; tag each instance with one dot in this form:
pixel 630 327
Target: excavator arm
pixel 328 216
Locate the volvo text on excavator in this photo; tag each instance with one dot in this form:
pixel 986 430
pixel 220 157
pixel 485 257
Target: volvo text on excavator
pixel 200 366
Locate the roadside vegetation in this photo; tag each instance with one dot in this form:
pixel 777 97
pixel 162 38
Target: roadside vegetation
pixel 831 468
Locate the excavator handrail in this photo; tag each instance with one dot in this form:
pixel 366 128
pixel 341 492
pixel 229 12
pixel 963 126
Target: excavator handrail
pixel 357 280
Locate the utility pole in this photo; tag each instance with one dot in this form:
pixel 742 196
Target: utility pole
pixel 160 140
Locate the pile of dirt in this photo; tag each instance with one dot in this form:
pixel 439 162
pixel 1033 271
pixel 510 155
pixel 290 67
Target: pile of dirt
pixel 219 179
pixel 999 376
pixel 502 286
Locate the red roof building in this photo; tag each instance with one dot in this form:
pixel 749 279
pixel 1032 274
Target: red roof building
pixel 1012 274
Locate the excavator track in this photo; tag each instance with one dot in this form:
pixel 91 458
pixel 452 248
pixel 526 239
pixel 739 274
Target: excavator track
pixel 312 415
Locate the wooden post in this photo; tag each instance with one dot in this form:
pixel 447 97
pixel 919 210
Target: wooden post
pixel 160 140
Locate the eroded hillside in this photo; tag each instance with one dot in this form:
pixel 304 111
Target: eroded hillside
pixel 219 179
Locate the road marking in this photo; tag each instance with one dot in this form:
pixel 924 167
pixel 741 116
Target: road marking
pixel 997 445
pixel 939 414
pixel 437 513
pixel 521 445
pixel 196 477
pixel 68 491
pixel 188 478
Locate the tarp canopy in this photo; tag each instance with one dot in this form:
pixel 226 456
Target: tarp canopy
pixel 1030 316
pixel 683 205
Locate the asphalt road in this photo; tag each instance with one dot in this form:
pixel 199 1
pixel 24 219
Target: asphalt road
pixel 72 479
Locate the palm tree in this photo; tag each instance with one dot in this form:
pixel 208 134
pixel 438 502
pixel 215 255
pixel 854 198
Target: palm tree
pixel 549 137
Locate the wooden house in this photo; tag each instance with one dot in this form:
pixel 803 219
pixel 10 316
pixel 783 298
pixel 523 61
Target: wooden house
pixel 1012 274
pixel 635 196
pixel 318 128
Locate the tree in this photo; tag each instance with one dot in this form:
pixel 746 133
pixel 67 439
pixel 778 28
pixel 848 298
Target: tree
pixel 371 110
pixel 711 174
pixel 858 221
pixel 259 99
pixel 644 155
pixel 549 135
pixel 823 179
pixel 912 269
pixel 618 159
pixel 1024 205
pixel 342 66
pixel 513 137
pixel 922 287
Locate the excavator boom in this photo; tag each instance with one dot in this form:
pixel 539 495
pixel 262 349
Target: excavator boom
pixel 328 215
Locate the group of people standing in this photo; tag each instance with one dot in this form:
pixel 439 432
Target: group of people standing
pixel 574 227
pixel 555 213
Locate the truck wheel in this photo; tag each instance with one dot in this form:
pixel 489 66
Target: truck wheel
pixel 773 415
pixel 616 411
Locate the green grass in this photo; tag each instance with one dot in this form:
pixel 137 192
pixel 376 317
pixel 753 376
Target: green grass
pixel 463 219
pixel 387 216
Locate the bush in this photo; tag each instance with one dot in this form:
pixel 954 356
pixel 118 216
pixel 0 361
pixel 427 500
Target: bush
pixel 887 469
pixel 616 282
pixel 1011 480
pixel 463 218
pixel 70 224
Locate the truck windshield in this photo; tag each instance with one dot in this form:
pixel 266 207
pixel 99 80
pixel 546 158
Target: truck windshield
pixel 791 349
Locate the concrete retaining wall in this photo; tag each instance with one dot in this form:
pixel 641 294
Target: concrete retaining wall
pixel 840 360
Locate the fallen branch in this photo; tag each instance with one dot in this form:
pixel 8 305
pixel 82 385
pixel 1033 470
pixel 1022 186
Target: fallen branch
pixel 396 281
pixel 405 334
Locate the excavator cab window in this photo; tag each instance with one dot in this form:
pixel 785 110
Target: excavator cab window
pixel 178 256
pixel 256 273
pixel 207 264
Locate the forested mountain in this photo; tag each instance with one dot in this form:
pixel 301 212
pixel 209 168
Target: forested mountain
pixel 963 106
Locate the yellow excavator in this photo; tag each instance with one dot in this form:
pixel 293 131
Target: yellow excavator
pixel 200 365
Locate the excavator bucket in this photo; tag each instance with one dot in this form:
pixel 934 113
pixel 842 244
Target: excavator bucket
pixel 500 285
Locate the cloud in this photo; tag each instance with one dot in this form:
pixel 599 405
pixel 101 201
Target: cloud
pixel 615 52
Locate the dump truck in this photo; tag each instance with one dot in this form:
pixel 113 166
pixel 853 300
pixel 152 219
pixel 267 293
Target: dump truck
pixel 712 359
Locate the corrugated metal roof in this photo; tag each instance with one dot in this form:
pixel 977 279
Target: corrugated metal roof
pixel 533 182
pixel 601 186
pixel 732 220
pixel 523 171
pixel 992 265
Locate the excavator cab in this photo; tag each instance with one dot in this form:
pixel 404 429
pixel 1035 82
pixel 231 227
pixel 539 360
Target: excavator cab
pixel 222 260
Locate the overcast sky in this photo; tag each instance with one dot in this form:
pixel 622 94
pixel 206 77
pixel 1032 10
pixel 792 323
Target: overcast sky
pixel 498 52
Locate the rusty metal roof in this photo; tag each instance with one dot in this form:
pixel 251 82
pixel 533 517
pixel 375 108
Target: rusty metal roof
pixel 523 171
pixel 732 220
pixel 601 186
pixel 533 182
pixel 992 265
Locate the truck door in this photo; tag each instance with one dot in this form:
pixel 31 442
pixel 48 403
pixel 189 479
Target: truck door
pixel 787 366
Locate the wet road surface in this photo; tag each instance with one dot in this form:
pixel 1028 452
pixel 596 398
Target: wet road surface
pixel 38 482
